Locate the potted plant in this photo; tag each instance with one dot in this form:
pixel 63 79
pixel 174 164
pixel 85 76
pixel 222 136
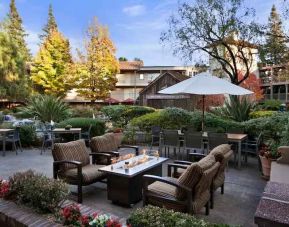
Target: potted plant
pixel 267 154
pixel 68 127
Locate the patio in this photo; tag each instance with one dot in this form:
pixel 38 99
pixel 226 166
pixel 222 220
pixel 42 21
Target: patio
pixel 243 188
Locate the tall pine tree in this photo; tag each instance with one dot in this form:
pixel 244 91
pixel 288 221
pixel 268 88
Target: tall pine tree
pixel 51 68
pixel 51 24
pixel 16 31
pixel 275 50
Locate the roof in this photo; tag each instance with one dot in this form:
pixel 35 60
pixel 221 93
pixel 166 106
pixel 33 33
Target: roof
pixel 130 65
pixel 178 76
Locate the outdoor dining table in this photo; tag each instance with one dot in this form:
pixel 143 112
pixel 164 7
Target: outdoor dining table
pixel 232 137
pixel 4 133
pixel 66 131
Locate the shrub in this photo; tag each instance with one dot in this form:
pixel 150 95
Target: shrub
pixel 83 111
pixel 47 108
pixel 271 104
pixel 261 113
pixel 121 114
pixel 114 113
pixel 237 109
pixel 37 191
pixel 169 118
pixel 28 135
pixel 151 216
pixel 98 126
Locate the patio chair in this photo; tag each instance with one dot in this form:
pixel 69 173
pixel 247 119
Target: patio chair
pixel 108 144
pixel 189 193
pixel 215 139
pixel 222 153
pixel 193 141
pixel 86 135
pixel 252 147
pixel 14 138
pixel 155 130
pixel 72 164
pixel 170 138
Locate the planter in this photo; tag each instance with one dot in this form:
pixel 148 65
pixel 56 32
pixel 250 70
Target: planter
pixel 266 166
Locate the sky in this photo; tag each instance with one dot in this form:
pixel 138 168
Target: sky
pixel 135 25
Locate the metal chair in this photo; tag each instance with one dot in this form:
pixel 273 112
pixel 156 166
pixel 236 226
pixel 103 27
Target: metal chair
pixel 14 139
pixel 47 140
pixel 86 135
pixel 194 141
pixel 215 139
pixel 170 139
pixel 252 147
pixel 155 130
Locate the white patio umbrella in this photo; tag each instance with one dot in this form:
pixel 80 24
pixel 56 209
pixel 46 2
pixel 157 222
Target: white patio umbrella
pixel 205 84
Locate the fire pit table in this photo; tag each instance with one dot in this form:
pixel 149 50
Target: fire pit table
pixel 124 179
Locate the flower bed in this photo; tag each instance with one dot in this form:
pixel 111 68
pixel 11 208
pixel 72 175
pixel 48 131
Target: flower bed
pixel 37 195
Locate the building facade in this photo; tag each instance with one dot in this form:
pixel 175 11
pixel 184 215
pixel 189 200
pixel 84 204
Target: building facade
pixel 149 95
pixel 134 77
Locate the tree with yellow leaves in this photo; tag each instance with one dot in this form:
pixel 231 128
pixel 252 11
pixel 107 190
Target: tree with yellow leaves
pixel 51 69
pixel 98 65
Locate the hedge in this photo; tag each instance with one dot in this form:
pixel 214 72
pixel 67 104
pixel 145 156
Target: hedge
pixel 120 115
pixel 151 216
pixel 169 118
pixel 98 126
pixel 262 113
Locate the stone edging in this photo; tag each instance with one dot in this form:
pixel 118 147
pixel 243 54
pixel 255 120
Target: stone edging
pixel 19 216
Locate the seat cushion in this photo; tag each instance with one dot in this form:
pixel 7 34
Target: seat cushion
pixel 90 174
pixel 71 151
pixel 191 176
pixel 157 190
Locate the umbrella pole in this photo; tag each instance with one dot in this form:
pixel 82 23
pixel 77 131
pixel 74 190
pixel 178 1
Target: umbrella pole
pixel 203 116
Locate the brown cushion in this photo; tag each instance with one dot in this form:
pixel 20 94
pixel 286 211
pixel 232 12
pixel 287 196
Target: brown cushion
pixel 90 174
pixel 284 159
pixel 191 176
pixel 163 189
pixel 71 151
pixel 114 142
pixel 221 149
pixel 102 143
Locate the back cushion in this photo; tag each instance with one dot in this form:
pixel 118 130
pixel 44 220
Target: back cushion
pixel 284 151
pixel 71 151
pixel 191 176
pixel 114 141
pixel 99 144
pixel 223 148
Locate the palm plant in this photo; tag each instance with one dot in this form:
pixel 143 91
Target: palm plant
pixel 47 108
pixel 235 108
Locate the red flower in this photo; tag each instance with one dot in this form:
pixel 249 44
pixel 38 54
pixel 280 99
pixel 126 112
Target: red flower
pixel 84 220
pixel 66 212
pixel 4 188
pixel 113 223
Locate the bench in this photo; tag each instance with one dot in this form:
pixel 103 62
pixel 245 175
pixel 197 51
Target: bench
pixel 273 208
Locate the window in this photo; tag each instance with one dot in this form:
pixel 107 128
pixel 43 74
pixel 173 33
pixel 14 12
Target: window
pixel 141 77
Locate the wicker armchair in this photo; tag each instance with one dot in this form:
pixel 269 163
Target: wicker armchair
pixel 222 153
pixel 108 144
pixel 72 164
pixel 189 193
